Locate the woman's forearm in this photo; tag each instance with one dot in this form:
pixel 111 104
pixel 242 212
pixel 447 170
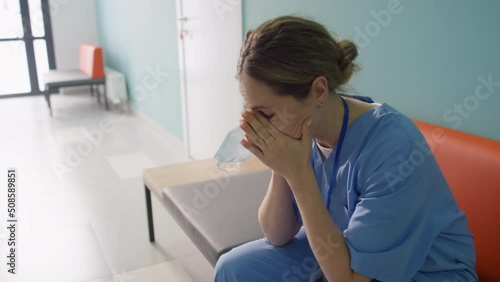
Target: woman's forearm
pixel 276 214
pixel 326 240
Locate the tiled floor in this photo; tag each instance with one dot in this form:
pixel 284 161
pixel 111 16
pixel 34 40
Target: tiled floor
pixel 81 203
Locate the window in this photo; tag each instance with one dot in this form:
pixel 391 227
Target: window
pixel 26 47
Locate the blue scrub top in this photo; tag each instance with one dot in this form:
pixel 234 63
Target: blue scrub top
pixel 392 202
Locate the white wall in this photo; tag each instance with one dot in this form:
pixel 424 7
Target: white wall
pixel 73 22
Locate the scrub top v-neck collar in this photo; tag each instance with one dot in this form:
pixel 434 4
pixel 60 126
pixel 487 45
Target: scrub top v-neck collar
pixel 337 152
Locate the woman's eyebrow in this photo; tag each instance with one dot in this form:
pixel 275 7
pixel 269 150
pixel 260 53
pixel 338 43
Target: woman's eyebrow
pixel 259 108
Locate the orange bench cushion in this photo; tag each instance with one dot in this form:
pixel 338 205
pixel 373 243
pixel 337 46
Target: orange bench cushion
pixel 471 166
pixel 91 61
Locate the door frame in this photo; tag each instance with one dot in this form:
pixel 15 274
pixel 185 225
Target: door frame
pixel 182 18
pixel 182 75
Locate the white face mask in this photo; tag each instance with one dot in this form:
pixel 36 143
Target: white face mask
pixel 231 153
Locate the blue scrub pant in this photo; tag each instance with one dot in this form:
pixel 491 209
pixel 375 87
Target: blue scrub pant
pixel 294 262
pixel 260 261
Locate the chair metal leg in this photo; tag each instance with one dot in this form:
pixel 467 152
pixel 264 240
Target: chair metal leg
pixel 91 90
pixel 150 215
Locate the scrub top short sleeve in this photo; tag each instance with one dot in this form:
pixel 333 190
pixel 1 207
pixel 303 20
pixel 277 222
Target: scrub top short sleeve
pixel 389 233
pixel 393 204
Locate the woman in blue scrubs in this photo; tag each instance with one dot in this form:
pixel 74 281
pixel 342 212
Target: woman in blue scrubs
pixel 356 193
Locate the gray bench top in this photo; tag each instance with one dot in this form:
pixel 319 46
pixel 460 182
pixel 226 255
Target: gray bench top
pixel 219 214
pixel 61 78
pixel 216 209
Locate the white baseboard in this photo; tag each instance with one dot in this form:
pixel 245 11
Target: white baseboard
pixel 171 141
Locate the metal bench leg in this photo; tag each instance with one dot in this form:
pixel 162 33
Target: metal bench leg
pixel 105 98
pixel 150 215
pixel 98 95
pixel 47 98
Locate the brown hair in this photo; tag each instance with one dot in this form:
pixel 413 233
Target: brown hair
pixel 287 53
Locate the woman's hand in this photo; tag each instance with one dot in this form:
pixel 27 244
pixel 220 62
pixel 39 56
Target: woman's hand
pixel 285 155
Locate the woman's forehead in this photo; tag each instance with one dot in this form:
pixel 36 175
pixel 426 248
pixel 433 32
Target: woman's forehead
pixel 254 88
pixel 261 101
pixel 256 94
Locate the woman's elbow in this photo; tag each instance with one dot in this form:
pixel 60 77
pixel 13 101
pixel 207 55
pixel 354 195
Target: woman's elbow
pixel 278 236
pixel 277 242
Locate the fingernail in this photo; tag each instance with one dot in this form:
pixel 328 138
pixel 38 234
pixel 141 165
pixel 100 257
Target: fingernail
pixel 309 122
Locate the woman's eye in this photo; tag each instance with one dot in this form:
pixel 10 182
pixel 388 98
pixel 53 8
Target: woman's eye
pixel 268 116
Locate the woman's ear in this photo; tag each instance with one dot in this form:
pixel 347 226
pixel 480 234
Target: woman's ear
pixel 319 88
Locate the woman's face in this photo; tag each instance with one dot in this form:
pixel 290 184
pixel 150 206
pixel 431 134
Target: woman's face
pixel 286 113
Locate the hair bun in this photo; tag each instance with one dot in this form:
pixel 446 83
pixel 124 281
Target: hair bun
pixel 350 53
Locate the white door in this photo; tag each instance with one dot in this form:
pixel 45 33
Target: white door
pixel 210 36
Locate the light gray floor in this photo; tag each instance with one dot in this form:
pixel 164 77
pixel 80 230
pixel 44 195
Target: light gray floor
pixel 88 222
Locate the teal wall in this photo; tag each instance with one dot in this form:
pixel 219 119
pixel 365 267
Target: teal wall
pixel 426 61
pixel 140 38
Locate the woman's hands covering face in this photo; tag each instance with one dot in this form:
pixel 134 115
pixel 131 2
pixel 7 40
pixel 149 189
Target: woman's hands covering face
pixel 280 152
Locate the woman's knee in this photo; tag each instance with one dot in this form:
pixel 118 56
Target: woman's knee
pixel 238 262
pixel 260 261
pixel 225 267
